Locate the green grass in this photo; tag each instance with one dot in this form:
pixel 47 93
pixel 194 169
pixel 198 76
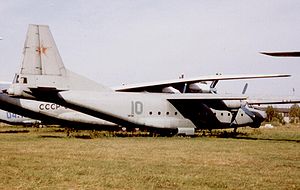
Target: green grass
pixel 44 159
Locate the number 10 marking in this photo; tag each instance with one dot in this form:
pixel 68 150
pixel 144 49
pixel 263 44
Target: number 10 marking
pixel 136 107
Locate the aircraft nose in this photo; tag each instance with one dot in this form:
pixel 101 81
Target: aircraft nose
pixel 260 115
pixel 264 114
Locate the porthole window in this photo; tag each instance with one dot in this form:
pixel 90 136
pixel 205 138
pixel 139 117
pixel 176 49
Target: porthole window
pixel 150 113
pixel 167 113
pixel 221 114
pixel 242 114
pixel 175 113
pixel 228 114
pixel 159 113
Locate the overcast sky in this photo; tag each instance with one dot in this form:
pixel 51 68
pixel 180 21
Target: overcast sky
pixel 115 42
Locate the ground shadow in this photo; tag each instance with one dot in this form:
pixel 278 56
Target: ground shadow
pixel 267 139
pixel 51 136
pixel 15 131
pixel 246 136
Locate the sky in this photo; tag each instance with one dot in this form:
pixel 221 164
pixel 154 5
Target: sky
pixel 118 42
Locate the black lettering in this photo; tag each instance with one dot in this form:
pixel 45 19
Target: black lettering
pixel 41 106
pixel 47 106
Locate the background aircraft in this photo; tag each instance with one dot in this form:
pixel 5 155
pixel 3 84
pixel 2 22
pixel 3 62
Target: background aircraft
pixel 11 117
pixel 283 54
pixel 15 119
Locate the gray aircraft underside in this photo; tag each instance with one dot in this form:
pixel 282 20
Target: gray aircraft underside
pixel 43 77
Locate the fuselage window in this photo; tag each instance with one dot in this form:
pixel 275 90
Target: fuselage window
pixel 167 113
pixel 159 113
pixel 150 113
pixel 175 113
pixel 242 114
pixel 221 114
pixel 228 114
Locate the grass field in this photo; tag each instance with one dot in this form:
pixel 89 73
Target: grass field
pixel 256 159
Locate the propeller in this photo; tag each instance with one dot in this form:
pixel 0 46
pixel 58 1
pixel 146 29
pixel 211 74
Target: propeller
pixel 245 88
pixel 213 86
pixel 244 107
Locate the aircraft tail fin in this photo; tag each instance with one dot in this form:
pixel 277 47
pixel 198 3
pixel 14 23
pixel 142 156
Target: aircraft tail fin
pixel 42 66
pixel 41 56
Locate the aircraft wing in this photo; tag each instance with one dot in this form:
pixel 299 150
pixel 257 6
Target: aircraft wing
pixel 273 101
pixel 182 85
pixel 197 108
pixel 188 103
pixel 190 97
pixel 283 54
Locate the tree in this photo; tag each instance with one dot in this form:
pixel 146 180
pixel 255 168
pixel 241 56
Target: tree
pixel 270 111
pixel 294 113
pixel 273 115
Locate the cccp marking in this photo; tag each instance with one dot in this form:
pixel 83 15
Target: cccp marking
pixel 49 106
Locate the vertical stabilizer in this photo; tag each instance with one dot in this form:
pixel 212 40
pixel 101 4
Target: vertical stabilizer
pixel 42 67
pixel 41 56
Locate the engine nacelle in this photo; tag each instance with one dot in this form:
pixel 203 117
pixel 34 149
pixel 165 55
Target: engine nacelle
pixel 233 104
pixel 200 87
pixel 170 90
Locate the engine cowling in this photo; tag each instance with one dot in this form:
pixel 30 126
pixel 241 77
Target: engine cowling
pixel 170 90
pixel 200 87
pixel 233 104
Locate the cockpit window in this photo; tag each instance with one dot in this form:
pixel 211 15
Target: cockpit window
pixel 24 80
pixel 16 79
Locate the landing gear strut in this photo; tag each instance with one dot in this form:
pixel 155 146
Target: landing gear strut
pixel 234 130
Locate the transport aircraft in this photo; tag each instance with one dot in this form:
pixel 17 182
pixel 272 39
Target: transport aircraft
pixel 43 77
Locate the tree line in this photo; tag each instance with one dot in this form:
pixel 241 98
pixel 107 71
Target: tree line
pixel 274 116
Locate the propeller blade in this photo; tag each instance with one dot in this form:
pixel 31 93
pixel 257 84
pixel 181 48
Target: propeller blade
pixel 245 88
pixel 184 88
pixel 214 83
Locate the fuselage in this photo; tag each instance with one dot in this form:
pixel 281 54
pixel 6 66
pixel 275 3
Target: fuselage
pixel 156 109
